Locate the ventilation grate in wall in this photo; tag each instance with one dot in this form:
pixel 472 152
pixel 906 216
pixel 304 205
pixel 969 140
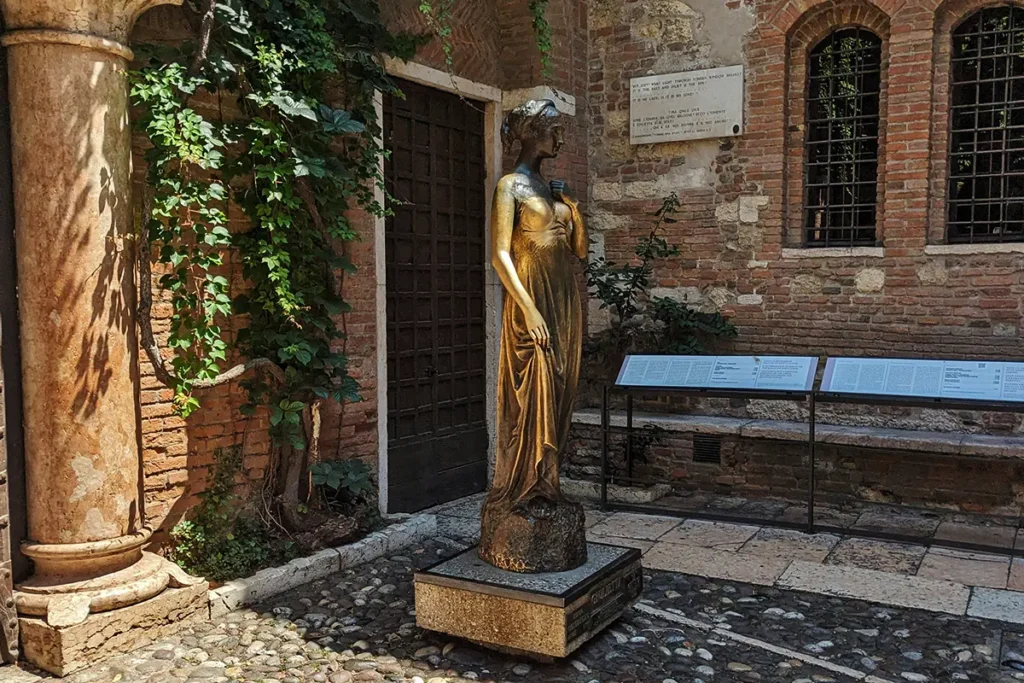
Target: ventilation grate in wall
pixel 707 450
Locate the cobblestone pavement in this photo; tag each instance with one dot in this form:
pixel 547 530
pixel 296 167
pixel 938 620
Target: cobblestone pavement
pixel 358 625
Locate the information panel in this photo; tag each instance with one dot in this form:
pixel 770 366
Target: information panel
pixel 950 379
pixel 770 373
pixel 686 106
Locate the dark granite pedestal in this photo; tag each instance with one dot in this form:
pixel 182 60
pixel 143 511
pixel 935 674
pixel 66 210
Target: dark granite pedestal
pixel 548 614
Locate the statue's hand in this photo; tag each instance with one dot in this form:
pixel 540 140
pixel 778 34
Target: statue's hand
pixel 560 190
pixel 538 328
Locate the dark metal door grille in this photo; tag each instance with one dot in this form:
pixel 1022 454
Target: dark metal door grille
pixel 435 266
pixel 986 151
pixel 841 143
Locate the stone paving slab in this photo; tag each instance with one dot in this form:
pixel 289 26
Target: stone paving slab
pixel 786 543
pixel 468 507
pixel 824 515
pixel 459 528
pixel 640 544
pixel 707 534
pixel 996 536
pixel 595 517
pixel 902 522
pixel 1016 580
pixel 629 525
pixel 878 587
pixel 972 569
pixel 1001 605
pixel 13 674
pixel 885 556
pixel 716 564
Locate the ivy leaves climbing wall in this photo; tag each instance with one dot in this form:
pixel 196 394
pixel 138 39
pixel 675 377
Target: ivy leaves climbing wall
pixel 294 148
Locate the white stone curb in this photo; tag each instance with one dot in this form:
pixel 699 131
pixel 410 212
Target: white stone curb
pixel 270 582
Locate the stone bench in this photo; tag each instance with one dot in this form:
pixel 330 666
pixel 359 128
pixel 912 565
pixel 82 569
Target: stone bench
pixel 949 443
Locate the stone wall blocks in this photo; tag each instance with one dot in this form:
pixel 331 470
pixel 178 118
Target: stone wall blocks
pixel 870 280
pixel 750 207
pixel 774 429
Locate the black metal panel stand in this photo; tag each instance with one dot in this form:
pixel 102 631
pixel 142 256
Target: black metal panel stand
pixel 934 403
pixel 762 394
pixel 813 398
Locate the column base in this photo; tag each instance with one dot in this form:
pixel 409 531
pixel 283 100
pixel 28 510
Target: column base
pixel 62 650
pixel 66 603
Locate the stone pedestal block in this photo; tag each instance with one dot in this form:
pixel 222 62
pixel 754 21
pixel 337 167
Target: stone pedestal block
pixel 540 536
pixel 549 614
pixel 62 651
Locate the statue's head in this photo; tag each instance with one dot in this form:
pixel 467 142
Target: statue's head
pixel 536 124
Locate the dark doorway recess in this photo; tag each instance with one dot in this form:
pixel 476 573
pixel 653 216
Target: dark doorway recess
pixel 13 565
pixel 436 329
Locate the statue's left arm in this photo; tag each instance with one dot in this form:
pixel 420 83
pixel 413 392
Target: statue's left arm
pixel 578 240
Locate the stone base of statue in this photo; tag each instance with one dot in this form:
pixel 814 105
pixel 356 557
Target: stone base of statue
pixel 545 614
pixel 539 536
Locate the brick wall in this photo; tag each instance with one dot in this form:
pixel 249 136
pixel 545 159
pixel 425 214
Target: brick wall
pixel 494 45
pixel 775 470
pixel 475 37
pixel 738 229
pixel 741 196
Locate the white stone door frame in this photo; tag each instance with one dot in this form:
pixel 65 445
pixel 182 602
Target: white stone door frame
pixel 490 97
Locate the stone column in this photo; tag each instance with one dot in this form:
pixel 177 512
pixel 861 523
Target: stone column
pixel 71 145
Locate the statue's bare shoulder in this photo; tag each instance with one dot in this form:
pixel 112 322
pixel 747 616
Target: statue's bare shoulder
pixel 519 186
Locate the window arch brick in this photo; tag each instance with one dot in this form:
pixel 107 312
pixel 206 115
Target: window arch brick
pixel 805 35
pixel 985 158
pixel 990 214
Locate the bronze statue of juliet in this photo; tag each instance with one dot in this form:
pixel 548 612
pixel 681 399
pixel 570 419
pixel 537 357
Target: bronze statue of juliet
pixel 538 235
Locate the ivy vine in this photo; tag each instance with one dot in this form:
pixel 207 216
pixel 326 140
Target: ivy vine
pixel 265 120
pixel 438 15
pixel 542 34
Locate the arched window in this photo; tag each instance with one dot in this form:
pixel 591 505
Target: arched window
pixel 986 147
pixel 844 76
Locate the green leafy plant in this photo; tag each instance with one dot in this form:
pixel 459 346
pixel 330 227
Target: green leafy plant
pixel 348 480
pixel 646 438
pixel 621 287
pixel 542 34
pixel 217 543
pixel 270 112
pixel 641 323
pixel 686 330
pixel 438 15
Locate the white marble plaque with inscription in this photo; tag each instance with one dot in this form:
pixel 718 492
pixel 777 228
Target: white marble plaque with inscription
pixel 949 379
pixel 691 105
pixel 769 373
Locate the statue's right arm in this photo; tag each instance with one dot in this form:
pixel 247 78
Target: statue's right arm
pixel 503 216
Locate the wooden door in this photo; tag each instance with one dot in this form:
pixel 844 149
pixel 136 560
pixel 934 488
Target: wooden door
pixel 436 333
pixel 12 496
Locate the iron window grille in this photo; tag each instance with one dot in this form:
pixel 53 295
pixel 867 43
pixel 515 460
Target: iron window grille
pixel 841 142
pixel 986 124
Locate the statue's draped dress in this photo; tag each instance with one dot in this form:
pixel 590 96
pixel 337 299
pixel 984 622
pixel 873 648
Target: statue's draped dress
pixel 537 388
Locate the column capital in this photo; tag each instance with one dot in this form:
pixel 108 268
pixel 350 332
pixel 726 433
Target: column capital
pixel 99 24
